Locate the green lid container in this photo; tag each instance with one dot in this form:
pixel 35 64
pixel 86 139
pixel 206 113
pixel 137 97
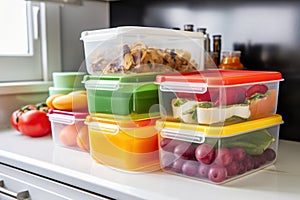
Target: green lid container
pixel 122 94
pixel 68 79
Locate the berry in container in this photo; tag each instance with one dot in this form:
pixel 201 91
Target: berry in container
pixel 127 143
pixel 218 97
pixel 122 94
pixel 216 154
pixel 69 129
pixel 135 49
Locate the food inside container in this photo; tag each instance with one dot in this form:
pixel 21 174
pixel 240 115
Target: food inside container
pixel 217 154
pixel 133 49
pixel 124 143
pixel 218 97
pixel 69 130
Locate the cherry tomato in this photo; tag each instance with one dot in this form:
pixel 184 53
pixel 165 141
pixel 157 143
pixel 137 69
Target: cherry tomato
pixel 31 120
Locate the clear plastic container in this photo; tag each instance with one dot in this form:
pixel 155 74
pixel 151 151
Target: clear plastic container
pixel 133 49
pixel 69 129
pixel 124 142
pixel 218 97
pixel 122 94
pixel 218 154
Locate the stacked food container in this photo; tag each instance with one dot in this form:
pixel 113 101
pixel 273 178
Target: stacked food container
pixel 123 101
pixel 68 109
pixel 218 125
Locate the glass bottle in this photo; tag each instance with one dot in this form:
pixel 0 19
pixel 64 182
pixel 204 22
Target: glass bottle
pixel 206 39
pixel 217 45
pixel 231 60
pixel 188 27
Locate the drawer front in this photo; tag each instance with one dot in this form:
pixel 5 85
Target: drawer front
pixel 15 182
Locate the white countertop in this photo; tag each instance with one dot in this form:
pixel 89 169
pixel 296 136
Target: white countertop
pixel 41 156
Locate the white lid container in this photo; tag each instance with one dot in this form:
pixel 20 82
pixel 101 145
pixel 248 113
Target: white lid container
pixel 149 47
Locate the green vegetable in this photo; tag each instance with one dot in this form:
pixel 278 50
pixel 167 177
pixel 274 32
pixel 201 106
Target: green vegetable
pixel 205 104
pixel 255 143
pixel 257 96
pixel 180 102
pixel 192 111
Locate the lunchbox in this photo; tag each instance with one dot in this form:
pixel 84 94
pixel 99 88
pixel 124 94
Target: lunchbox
pixel 122 95
pixel 216 154
pixel 218 97
pixel 124 142
pixel 135 49
pixel 69 129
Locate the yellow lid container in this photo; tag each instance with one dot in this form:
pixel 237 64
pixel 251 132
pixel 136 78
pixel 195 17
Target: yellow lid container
pixel 218 154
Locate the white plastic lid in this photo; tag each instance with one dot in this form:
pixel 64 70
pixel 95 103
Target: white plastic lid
pixel 104 34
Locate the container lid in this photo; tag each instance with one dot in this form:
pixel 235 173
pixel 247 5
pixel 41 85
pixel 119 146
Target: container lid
pixel 219 77
pixel 113 82
pixel 129 121
pixel 123 78
pixel 192 131
pixel 66 117
pixel 110 33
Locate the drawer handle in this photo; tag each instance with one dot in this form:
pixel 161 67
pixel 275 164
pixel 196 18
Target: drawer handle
pixel 24 195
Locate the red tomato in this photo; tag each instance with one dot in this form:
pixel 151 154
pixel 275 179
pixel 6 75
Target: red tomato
pixel 34 123
pixel 14 118
pixel 31 120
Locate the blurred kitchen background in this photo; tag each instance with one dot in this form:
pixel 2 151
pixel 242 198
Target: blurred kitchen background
pixel 267 32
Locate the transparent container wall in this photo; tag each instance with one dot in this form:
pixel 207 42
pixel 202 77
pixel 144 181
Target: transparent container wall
pixel 219 105
pixel 219 159
pixel 143 54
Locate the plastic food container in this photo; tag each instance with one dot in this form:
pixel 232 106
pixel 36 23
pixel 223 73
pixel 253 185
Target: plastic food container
pixel 66 82
pixel 218 96
pixel 122 95
pixel 69 129
pixel 124 142
pixel 133 49
pixel 218 154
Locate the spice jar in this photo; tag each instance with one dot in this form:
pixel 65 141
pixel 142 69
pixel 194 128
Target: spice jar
pixel 231 60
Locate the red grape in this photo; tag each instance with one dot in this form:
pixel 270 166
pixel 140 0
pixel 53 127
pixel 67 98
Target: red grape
pixel 243 168
pixel 167 160
pixel 259 161
pixel 249 162
pixel 223 157
pixel 269 154
pixel 190 168
pixel 203 170
pixel 177 165
pixel 217 173
pixel 185 150
pixel 205 153
pixel 233 168
pixel 238 153
pixel 169 144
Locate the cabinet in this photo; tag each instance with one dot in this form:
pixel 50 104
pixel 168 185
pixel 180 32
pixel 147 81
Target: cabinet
pixel 54 173
pixel 24 185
